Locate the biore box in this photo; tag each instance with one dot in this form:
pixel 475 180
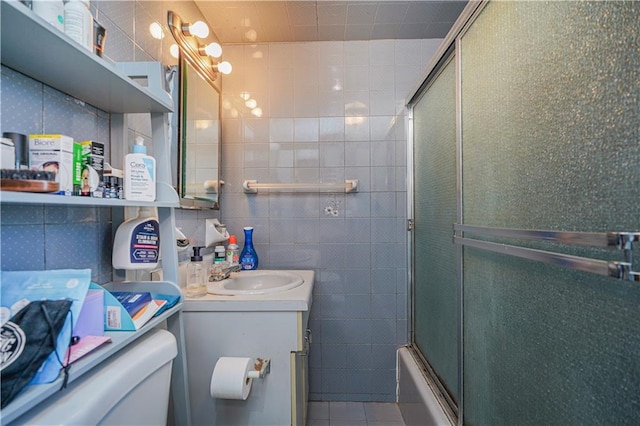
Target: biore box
pixel 53 153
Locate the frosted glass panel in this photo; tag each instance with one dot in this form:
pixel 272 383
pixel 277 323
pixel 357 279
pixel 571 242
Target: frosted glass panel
pixel 551 131
pixel 435 283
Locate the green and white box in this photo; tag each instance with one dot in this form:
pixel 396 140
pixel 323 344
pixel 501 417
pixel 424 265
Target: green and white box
pixel 53 153
pixel 88 167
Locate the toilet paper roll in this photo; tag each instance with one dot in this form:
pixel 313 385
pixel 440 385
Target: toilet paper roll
pixel 230 378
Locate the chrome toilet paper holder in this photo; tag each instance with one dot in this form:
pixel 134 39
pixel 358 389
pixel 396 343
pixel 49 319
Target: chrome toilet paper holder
pixel 262 367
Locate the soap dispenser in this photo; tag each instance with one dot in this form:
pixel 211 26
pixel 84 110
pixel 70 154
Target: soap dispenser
pixel 248 257
pixel 196 275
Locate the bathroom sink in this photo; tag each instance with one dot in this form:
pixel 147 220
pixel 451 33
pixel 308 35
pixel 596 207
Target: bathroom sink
pixel 255 282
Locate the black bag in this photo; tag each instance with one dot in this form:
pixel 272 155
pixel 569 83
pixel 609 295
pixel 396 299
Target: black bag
pixel 26 340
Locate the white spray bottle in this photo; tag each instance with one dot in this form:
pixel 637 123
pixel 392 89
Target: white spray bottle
pixel 137 241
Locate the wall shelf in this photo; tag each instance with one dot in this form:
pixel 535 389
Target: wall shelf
pixel 33 47
pixel 169 199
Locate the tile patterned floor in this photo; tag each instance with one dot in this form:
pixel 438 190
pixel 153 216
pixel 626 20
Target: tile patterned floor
pixel 354 414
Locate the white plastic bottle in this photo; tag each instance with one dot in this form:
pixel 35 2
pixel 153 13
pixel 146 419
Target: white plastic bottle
pixel 51 11
pixel 139 174
pixel 137 241
pixel 78 22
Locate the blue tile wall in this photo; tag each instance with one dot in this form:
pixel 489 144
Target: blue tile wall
pixel 331 115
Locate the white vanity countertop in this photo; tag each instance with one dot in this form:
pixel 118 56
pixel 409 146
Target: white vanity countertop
pixel 296 299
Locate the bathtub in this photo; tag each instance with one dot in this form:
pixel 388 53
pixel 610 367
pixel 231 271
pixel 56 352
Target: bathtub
pixel 416 399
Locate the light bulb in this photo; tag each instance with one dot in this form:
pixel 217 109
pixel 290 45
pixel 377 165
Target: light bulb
pixel 224 67
pixel 156 31
pixel 199 29
pixel 213 49
pixel 174 50
pixel 257 112
pixel 251 103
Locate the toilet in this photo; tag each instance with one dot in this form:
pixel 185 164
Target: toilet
pixel 130 388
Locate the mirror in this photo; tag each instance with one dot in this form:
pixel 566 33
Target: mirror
pixel 199 139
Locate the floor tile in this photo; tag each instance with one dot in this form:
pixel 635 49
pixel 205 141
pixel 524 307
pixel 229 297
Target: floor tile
pixel 346 411
pixel 382 412
pixel 318 410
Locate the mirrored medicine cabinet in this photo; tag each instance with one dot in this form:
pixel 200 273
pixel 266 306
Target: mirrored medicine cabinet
pixel 196 153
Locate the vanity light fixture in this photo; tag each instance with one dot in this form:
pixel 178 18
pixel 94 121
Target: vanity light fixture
pixel 201 57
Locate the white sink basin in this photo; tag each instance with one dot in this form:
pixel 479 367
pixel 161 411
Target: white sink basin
pixel 256 282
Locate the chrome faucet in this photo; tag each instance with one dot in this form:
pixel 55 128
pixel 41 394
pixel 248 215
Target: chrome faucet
pixel 221 271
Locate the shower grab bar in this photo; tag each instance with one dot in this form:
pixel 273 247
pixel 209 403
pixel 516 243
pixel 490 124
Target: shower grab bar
pixel 620 240
pixel 349 185
pixel 619 270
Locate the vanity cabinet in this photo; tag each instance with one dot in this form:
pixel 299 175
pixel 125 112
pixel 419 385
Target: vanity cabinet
pixel 272 326
pixel 34 48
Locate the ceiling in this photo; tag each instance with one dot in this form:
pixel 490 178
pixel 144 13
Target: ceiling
pixel 325 20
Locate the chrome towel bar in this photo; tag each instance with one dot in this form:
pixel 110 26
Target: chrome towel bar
pixel 621 240
pixel 349 185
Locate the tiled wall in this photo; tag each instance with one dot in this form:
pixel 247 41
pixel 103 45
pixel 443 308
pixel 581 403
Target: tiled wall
pixel 329 111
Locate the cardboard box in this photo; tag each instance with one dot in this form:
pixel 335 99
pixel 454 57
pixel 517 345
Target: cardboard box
pixel 88 167
pixel 53 153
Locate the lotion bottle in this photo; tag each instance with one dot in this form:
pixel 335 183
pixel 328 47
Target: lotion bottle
pixel 137 242
pixel 78 22
pixel 139 174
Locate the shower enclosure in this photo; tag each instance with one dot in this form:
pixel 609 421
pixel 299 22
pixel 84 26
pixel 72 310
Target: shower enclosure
pixel 526 215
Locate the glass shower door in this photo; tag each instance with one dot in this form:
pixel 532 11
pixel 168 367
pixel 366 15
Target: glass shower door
pixel 550 141
pixel 434 279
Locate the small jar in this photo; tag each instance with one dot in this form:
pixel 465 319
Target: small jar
pixel 219 254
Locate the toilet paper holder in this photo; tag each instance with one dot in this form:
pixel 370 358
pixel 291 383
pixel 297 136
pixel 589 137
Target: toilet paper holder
pixel 262 367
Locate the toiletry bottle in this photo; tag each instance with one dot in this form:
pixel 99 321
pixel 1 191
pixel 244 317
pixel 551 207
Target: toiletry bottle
pixel 248 257
pixel 196 275
pixel 51 11
pixel 137 241
pixel 139 174
pixel 78 22
pixel 219 254
pixel 233 251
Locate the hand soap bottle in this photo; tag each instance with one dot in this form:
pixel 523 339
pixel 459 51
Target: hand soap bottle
pixel 248 257
pixel 139 174
pixel 196 275
pixel 137 242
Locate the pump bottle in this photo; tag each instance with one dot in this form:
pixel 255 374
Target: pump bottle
pixel 139 174
pixel 196 273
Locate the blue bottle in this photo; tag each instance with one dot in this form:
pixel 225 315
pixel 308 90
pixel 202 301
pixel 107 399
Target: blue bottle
pixel 248 256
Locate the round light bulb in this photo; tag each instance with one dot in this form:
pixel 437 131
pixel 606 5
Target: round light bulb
pixel 251 103
pixel 156 31
pixel 174 51
pixel 225 67
pixel 199 29
pixel 257 112
pixel 213 49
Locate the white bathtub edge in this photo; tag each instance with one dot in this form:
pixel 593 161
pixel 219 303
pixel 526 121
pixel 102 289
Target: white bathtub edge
pixel 418 404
